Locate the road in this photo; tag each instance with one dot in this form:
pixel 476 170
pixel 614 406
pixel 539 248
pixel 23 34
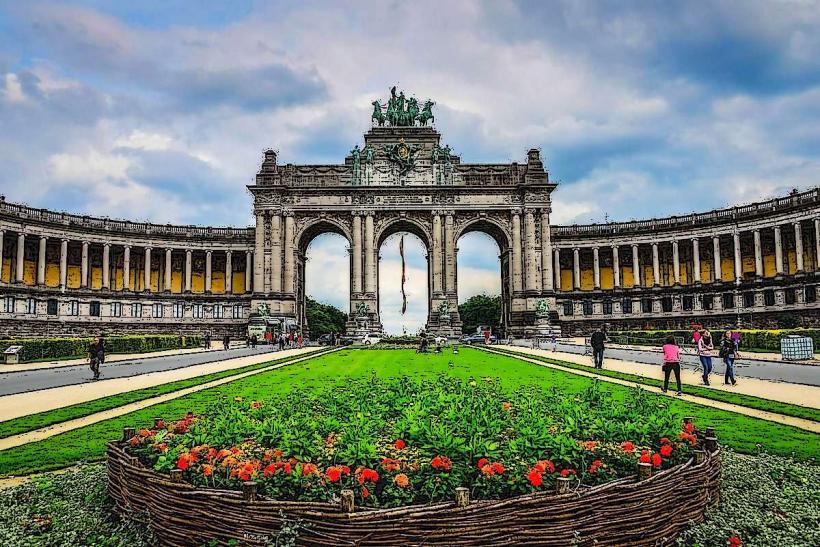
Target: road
pixel 33 380
pixel 780 371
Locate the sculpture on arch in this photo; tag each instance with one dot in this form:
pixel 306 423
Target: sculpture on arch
pixel 402 111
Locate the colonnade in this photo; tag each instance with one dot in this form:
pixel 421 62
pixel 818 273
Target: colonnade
pixel 18 275
pixel 694 244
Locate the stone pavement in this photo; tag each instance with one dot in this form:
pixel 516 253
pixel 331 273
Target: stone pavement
pixel 23 404
pixel 797 394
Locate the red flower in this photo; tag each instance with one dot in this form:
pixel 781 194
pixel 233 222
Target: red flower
pixel 535 478
pixel 545 465
pixel 333 474
pixel 628 447
pixel 488 470
pixel 390 464
pixel 656 460
pixel 365 492
pixel 690 428
pixel 135 441
pixel 309 468
pixel 666 450
pixel 441 462
pixel 567 472
pixel 184 461
pixel 400 444
pixel 498 468
pixel 207 470
pixel 288 469
pixel 270 470
pixel 482 462
pixel 645 458
pixel 596 464
pixel 365 474
pixel 665 440
pixel 734 541
pixel 401 480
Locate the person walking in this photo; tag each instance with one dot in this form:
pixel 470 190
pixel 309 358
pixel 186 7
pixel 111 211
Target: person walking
pixel 226 341
pixel 300 341
pixel 207 340
pixel 281 341
pixel 729 353
pixel 96 356
pixel 705 347
pixel 598 341
pixel 253 341
pixel 671 363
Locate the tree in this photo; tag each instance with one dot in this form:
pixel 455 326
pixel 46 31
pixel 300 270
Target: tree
pixel 324 318
pixel 480 310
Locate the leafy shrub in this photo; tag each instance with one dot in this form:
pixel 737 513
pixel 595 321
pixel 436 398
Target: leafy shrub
pixel 751 340
pixel 65 509
pixel 400 441
pixel 64 348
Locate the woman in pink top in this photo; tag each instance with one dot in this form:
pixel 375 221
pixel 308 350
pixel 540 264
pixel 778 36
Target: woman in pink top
pixel 671 362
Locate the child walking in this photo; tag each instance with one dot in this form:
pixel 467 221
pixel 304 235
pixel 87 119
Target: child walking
pixel 671 363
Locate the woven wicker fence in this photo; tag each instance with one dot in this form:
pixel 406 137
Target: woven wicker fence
pixel 641 510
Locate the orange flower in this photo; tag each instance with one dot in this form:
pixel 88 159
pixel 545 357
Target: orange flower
pixel 145 433
pixel 589 445
pixel 628 447
pixel 535 477
pixel 135 441
pixel 184 461
pixel 441 462
pixel 545 465
pixel 689 428
pixel 365 492
pixel 482 462
pixel 401 480
pixel 333 474
pixel 498 468
pixel 256 405
pixel 567 472
pixel 207 470
pixel 309 469
pixel 506 406
pixel 666 450
pixel 270 470
pixel 488 470
pixel 595 465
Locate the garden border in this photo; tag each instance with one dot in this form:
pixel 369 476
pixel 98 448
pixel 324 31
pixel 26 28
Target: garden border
pixel 645 510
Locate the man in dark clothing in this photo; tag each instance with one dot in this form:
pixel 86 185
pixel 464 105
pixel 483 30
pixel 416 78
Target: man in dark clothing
pixel 253 341
pixel 597 342
pixel 226 341
pixel 96 356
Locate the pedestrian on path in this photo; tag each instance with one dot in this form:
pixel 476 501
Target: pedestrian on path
pixel 207 340
pixel 597 341
pixel 729 353
pixel 253 341
pixel 226 341
pixel 96 356
pixel 300 341
pixel 281 342
pixel 705 347
pixel 671 363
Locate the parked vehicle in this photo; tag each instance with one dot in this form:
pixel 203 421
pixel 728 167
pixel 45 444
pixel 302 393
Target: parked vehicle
pixel 370 340
pixel 476 339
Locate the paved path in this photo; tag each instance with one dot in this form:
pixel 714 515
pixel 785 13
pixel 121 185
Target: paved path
pixel 798 394
pixel 808 425
pixel 56 429
pixel 65 394
pixel 779 371
pixel 51 377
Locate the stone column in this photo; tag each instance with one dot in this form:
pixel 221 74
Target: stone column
pixel 557 268
pixel 636 266
pixel 2 237
pixel 21 258
pixel 816 244
pixel 248 271
pixel 676 261
pixel 596 268
pixel 435 267
pixel 778 251
pixel 616 267
pixel 531 269
pixel 275 255
pixel 356 255
pixel 716 258
pixel 450 254
pixel 208 271
pixel 106 266
pixel 758 255
pixel 168 277
pixel 547 276
pixel 517 264
pixel 798 247
pixel 656 267
pixel 696 259
pixel 228 272
pixel 369 255
pixel 259 254
pixel 126 268
pixel 289 286
pixel 188 264
pixel 738 259
pixel 84 266
pixel 576 269
pixel 63 263
pixel 147 280
pixel 41 261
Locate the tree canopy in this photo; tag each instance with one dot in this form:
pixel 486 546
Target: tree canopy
pixel 324 318
pixel 480 310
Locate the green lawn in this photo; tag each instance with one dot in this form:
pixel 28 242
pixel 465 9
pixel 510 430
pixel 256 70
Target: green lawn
pixel 797 411
pixel 31 422
pixel 88 443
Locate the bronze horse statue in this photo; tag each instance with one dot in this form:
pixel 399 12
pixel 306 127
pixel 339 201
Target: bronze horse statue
pixel 378 115
pixel 426 113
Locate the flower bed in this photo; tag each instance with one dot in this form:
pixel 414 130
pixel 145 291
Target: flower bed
pixel 402 451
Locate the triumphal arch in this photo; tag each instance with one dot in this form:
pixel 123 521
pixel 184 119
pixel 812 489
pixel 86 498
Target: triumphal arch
pixel 405 178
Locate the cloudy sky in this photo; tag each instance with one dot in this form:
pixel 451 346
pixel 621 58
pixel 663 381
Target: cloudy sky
pixel 160 110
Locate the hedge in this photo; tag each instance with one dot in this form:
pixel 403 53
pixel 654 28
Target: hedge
pixel 751 340
pixel 66 348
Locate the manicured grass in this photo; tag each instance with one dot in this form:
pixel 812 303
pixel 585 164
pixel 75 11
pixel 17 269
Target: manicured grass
pixel 743 433
pixel 31 422
pixel 750 401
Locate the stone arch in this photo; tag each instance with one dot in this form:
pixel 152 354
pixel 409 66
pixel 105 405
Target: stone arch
pixel 492 227
pixel 404 224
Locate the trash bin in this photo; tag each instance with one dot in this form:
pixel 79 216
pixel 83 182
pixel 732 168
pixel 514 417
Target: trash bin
pixel 12 355
pixel 796 348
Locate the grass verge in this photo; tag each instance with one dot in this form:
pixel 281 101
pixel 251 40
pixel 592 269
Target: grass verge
pixel 743 433
pixel 749 401
pixel 32 422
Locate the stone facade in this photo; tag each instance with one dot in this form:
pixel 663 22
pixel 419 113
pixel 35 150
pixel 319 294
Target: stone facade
pixel 70 274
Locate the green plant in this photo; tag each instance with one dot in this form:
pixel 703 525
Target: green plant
pixel 65 348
